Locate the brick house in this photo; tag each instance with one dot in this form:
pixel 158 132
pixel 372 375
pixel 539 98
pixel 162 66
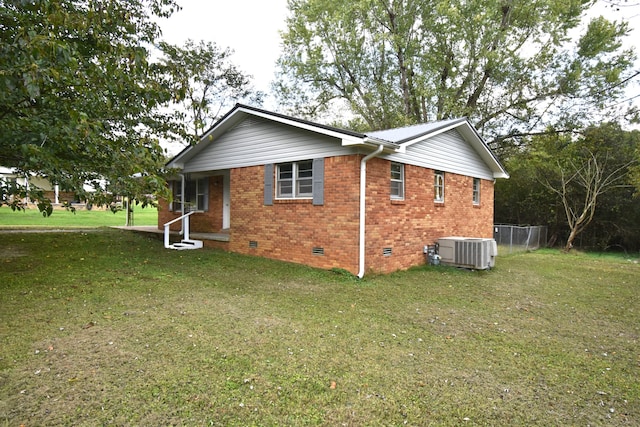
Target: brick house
pixel 293 190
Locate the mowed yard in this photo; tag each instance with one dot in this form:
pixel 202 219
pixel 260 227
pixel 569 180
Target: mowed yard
pixel 106 327
pixel 97 217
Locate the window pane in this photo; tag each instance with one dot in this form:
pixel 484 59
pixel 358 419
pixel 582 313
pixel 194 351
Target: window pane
pixel 285 188
pixel 396 171
pixel 177 196
pixel 396 189
pixel 202 192
pixel 438 186
pixel 285 171
pixel 305 187
pixel 305 169
pixel 397 180
pixel 476 190
pixel 190 192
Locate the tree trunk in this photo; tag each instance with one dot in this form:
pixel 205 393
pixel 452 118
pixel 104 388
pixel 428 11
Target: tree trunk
pixel 572 237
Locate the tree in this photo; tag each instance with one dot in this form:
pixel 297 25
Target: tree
pixel 205 82
pixel 80 100
pixel 591 179
pixel 510 66
pixel 577 185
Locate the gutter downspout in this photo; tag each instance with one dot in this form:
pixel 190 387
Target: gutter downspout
pixel 182 196
pixel 363 193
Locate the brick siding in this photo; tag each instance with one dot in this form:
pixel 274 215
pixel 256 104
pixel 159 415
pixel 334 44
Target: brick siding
pixel 406 226
pixel 290 230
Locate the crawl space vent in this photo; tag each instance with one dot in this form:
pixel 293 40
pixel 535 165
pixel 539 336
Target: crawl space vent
pixel 317 251
pixel 253 244
pixel 387 251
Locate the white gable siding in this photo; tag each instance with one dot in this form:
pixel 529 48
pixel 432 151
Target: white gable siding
pixel 448 152
pixel 255 141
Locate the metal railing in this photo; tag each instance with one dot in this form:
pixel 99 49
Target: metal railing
pixel 185 228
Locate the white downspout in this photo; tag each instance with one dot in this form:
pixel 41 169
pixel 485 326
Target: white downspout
pixel 182 198
pixel 363 205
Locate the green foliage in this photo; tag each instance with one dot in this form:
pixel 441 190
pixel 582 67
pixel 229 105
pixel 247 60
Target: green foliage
pixel 511 67
pixel 549 161
pixel 80 100
pixel 205 82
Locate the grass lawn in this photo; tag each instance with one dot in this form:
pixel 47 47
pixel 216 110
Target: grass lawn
pixel 107 327
pixel 32 218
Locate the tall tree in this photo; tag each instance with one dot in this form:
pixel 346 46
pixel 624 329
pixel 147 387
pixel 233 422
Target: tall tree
pixel 205 82
pixel 80 100
pixel 580 186
pixel 511 66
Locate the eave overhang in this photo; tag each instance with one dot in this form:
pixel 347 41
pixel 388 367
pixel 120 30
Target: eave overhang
pixel 241 112
pixel 469 133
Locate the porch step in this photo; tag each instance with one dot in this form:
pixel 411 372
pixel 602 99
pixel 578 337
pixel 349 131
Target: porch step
pixel 186 244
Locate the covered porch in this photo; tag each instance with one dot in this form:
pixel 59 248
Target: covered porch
pixel 219 240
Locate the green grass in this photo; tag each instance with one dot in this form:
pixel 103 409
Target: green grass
pixel 32 218
pixel 108 328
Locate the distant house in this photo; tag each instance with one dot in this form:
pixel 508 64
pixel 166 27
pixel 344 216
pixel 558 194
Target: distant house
pixel 294 190
pixel 50 191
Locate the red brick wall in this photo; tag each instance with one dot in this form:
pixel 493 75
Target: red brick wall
pixel 406 226
pixel 290 229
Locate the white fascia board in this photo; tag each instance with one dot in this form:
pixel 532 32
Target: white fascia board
pixel 347 141
pixel 372 142
pixel 295 123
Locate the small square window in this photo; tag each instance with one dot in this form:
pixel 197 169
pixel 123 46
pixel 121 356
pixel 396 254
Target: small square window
pixel 295 180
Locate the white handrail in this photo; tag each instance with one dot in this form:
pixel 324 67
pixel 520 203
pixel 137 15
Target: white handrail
pixel 185 228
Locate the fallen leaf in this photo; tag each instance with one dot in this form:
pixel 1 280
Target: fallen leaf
pixel 333 385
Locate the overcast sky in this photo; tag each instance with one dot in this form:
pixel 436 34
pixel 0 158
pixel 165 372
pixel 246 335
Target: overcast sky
pixel 251 28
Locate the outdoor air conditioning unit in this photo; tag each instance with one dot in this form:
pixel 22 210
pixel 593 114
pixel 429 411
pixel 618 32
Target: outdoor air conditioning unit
pixel 468 252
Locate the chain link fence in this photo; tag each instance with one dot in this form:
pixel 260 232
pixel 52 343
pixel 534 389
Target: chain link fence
pixel 514 238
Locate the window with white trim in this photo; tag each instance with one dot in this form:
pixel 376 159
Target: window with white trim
pixel 397 181
pixel 476 191
pixel 438 186
pixel 294 180
pixel 196 195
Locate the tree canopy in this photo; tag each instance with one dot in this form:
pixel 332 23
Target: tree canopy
pixel 580 187
pixel 513 67
pixel 80 100
pixel 205 82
